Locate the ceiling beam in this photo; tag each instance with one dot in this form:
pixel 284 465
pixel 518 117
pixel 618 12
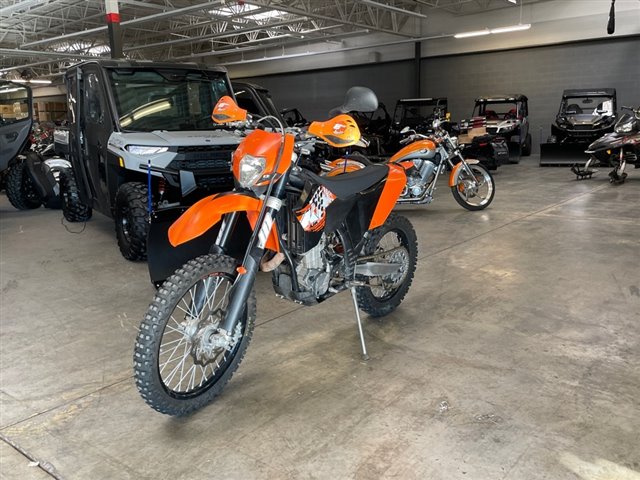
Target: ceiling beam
pixel 135 21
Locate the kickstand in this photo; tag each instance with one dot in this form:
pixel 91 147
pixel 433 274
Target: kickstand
pixel 365 355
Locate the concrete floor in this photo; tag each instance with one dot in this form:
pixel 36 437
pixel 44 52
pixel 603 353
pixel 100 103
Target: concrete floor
pixel 516 354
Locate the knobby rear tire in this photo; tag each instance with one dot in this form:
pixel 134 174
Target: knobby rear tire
pixel 367 301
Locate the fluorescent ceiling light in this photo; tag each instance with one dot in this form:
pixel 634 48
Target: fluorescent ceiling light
pixel 477 33
pixel 513 1
pixel 486 31
pixel 22 80
pixel 513 28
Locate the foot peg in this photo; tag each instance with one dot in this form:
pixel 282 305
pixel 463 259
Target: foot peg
pixel 365 355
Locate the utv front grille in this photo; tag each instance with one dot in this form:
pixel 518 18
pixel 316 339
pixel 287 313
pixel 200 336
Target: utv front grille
pixel 210 158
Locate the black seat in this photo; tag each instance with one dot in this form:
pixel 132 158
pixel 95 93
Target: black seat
pixel 573 109
pixel 347 184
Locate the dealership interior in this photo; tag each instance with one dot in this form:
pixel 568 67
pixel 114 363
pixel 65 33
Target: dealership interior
pixel 181 181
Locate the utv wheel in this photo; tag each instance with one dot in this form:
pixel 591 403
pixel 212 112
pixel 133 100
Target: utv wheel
pixel 384 294
pixel 131 220
pixel 72 207
pixel 526 148
pixel 20 189
pixel 178 366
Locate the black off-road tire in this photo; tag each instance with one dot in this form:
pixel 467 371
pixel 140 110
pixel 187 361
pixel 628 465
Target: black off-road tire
pixel 147 349
pixel 367 301
pixel 72 207
pixel 131 220
pixel 526 148
pixel 20 189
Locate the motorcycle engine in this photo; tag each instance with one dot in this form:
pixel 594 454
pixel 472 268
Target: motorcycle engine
pixel 419 179
pixel 313 270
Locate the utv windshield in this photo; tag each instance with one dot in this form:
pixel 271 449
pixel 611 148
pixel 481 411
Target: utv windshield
pixel 151 99
pixel 496 110
pixel 587 106
pixel 412 113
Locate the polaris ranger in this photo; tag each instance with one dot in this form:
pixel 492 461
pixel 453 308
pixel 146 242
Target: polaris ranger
pixel 142 145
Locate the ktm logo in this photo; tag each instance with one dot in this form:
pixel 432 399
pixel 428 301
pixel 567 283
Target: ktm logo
pixel 339 128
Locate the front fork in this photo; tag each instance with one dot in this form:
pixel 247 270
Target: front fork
pixel 247 271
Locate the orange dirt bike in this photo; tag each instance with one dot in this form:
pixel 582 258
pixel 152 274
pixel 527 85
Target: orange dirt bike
pixel 425 158
pixel 317 235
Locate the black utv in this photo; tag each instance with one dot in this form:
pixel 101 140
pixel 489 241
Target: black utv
pixel 584 115
pixel 141 141
pixel 29 179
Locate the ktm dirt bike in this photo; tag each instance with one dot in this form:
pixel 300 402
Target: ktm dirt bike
pixel 425 158
pixel 617 149
pixel 317 235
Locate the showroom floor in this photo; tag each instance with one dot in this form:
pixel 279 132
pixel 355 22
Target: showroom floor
pixel 516 354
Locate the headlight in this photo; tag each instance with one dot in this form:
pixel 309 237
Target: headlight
pixel 624 128
pixel 144 150
pixel 251 169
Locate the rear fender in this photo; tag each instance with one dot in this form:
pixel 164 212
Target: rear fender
pixel 454 170
pixel 395 182
pixel 206 213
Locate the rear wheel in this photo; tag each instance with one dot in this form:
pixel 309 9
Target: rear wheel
pixel 473 191
pixel 131 220
pixel 72 207
pixel 20 189
pixel 181 360
pixel 393 242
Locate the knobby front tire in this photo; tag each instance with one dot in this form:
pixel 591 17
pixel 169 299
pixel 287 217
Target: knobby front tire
pixel 168 374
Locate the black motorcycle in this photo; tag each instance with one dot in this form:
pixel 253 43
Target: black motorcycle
pixel 615 149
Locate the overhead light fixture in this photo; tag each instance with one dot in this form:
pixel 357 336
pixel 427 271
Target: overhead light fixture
pixel 512 1
pixel 22 80
pixel 477 33
pixel 486 31
pixel 513 28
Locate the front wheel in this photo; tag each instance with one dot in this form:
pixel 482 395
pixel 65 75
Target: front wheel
pixel 131 220
pixel 473 191
pixel 20 189
pixel 393 242
pixel 181 360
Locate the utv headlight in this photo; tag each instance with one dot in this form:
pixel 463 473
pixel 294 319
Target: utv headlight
pixel 144 150
pixel 624 128
pixel 251 169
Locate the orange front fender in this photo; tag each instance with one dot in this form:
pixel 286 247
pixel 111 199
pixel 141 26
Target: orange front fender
pixel 204 214
pixel 454 170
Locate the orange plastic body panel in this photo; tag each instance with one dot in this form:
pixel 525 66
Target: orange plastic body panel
pixel 204 214
pixel 412 148
pixel 260 143
pixel 226 110
pixel 341 165
pixel 455 169
pixel 393 186
pixel 340 131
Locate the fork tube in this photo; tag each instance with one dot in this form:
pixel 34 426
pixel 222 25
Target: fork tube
pixel 241 288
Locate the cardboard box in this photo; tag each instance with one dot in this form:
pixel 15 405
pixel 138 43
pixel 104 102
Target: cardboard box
pixel 60 107
pixel 41 106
